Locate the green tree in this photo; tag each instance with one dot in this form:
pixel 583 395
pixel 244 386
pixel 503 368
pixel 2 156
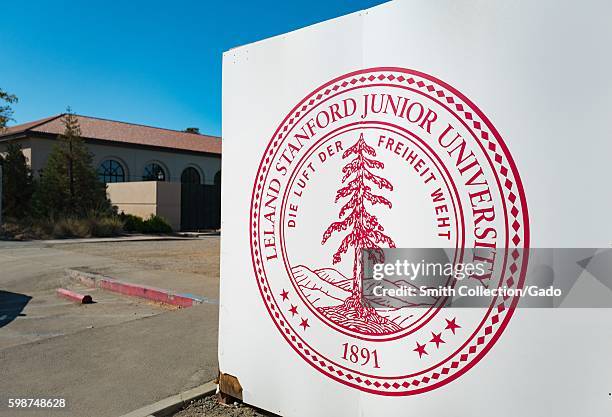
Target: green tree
pixel 17 185
pixel 69 185
pixel 195 130
pixel 6 111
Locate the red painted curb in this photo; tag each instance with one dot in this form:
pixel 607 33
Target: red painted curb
pixel 134 290
pixel 142 291
pixel 74 296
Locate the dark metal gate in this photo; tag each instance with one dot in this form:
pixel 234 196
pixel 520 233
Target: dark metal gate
pixel 200 207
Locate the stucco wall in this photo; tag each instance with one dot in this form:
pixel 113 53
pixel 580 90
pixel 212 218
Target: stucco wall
pixel 133 159
pixel 144 198
pixel 169 203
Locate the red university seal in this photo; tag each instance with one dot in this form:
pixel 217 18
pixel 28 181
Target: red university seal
pixel 383 158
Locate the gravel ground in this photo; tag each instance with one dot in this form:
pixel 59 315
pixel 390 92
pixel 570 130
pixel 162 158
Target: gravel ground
pixel 210 407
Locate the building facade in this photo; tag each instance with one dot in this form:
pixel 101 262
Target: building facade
pixel 128 156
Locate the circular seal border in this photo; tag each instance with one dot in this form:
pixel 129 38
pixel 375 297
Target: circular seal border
pixel 512 191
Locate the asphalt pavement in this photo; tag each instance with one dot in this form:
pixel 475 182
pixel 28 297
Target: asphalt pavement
pixel 116 355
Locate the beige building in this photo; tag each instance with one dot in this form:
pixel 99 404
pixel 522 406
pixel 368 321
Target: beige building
pixel 148 170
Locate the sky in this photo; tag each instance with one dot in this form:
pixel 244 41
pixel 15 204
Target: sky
pixel 150 62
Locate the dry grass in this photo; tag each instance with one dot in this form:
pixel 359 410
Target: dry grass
pixel 61 229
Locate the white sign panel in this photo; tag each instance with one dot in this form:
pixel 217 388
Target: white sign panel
pixel 458 125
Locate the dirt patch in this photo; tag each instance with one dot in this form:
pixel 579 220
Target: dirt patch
pixel 198 256
pixel 210 407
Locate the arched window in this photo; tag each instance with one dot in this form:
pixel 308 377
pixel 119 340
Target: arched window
pixel 111 171
pixel 218 178
pixel 153 172
pixel 190 176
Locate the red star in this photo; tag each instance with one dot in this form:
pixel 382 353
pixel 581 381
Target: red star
pixel 420 349
pixel 304 324
pixel 437 339
pixel 285 295
pixel 293 310
pixel 451 325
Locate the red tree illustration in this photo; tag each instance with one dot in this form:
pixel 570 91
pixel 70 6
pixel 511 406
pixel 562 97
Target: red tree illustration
pixel 365 230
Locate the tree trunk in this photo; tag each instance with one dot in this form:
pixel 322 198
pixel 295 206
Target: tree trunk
pixel 71 176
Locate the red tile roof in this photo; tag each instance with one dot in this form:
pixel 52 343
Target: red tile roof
pixel 113 131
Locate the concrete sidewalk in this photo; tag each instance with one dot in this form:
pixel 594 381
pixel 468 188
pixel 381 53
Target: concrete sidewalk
pixel 115 369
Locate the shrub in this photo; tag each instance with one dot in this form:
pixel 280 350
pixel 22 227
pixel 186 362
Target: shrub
pixel 106 226
pixel 132 223
pixel 41 229
pixel 154 224
pixel 72 227
pixel 27 229
pixel 20 230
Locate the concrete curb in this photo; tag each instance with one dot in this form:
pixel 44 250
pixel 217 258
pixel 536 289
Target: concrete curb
pixel 130 238
pixel 135 290
pixel 173 404
pixel 74 296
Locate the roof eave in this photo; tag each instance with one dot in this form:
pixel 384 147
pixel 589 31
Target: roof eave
pixel 14 135
pixel 48 135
